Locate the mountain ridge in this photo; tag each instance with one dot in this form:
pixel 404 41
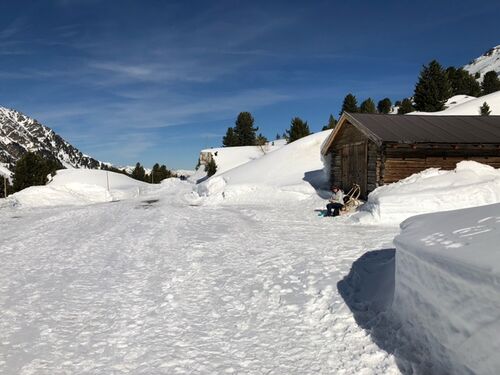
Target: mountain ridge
pixel 20 134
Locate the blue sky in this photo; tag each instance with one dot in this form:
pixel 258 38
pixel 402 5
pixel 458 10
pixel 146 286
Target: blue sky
pixel 156 81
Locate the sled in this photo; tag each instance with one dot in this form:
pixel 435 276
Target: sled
pixel 351 199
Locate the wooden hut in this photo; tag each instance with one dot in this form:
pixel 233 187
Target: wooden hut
pixel 375 149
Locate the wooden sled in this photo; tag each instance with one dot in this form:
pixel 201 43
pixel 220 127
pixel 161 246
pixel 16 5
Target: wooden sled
pixel 351 199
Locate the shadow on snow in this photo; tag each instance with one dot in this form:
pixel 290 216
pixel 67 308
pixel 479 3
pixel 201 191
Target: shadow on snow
pixel 317 180
pixel 368 290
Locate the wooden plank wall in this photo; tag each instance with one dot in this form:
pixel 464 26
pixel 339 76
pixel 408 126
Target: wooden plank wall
pixel 350 136
pixel 396 169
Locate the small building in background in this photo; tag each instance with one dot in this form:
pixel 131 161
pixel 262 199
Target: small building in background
pixel 375 149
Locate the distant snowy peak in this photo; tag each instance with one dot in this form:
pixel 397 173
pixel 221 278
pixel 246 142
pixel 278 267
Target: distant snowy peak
pixel 485 63
pixel 20 134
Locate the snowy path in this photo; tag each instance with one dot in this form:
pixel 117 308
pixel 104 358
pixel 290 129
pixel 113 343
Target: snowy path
pixel 162 287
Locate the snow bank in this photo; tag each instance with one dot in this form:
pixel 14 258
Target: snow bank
pixel 447 290
pixel 227 158
pixel 470 184
pixel 467 106
pixel 77 187
pixel 292 170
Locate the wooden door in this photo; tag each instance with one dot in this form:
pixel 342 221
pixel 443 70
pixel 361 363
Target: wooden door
pixel 354 166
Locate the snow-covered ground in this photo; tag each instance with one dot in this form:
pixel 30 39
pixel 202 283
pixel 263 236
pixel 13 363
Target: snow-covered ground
pixel 153 285
pixel 235 275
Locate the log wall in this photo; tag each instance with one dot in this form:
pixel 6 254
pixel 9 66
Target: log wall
pixel 401 161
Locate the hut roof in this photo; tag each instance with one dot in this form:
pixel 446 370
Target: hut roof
pixel 421 128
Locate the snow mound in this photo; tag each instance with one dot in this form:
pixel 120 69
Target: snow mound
pixel 79 187
pixel 467 106
pixel 457 100
pixel 294 169
pixel 470 184
pixel 227 158
pixel 447 290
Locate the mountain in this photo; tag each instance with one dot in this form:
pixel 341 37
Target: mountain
pixel 490 60
pixel 20 134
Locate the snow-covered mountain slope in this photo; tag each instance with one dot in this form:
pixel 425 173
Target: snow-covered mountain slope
pixel 78 187
pixel 227 158
pixel 295 168
pixel 20 134
pixel 485 63
pixel 468 106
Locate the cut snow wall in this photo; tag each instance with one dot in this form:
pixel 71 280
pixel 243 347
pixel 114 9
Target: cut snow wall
pixel 447 289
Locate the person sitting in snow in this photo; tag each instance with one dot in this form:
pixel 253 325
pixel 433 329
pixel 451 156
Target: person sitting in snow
pixel 336 202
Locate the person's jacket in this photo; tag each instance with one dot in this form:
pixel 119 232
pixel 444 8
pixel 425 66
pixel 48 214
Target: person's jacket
pixel 337 197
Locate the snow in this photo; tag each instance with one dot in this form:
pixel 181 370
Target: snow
pixel 152 285
pixel 490 61
pixel 228 158
pixel 292 170
pixel 457 100
pixel 78 187
pixel 238 274
pixel 469 184
pixel 5 172
pixel 447 291
pixel 468 106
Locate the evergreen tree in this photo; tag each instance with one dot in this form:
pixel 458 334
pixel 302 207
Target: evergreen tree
pixel 211 167
pixel 405 107
pixel 139 173
pixel 31 169
pixel 244 129
pixel 298 129
pixel 278 136
pixel 432 89
pixel 368 106
pixel 154 176
pixel 462 83
pixel 230 139
pixel 491 83
pixel 397 103
pixel 384 106
pixel 350 104
pixel 331 123
pixel 484 110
